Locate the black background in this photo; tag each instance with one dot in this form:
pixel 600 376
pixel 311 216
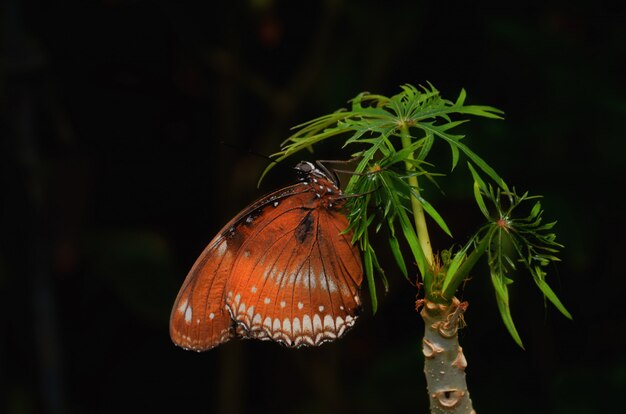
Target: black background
pixel 114 178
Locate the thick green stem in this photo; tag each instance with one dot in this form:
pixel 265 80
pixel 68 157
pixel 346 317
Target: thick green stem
pixel 418 211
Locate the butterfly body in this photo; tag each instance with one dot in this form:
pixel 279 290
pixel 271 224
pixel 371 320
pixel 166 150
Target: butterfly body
pixel 283 269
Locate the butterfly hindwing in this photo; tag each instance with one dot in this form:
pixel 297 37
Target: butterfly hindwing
pixel 294 289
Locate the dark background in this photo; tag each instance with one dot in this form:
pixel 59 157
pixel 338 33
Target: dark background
pixel 114 179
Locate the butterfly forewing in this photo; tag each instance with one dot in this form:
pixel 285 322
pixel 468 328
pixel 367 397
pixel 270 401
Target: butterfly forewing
pixel 282 269
pixel 199 319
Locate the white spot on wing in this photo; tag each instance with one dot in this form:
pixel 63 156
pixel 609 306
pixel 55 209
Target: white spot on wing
pixel 317 323
pixel 287 326
pixel 253 289
pixel 307 328
pixel 328 322
pixel 270 273
pixel 332 286
pixel 282 304
pixel 188 315
pixel 267 301
pixel 183 306
pixel 222 248
pixel 321 308
pixel 211 315
pixel 322 279
pixel 296 327
pixel 292 278
pixel 300 305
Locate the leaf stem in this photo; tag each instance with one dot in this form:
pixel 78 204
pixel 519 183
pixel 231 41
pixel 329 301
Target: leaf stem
pixel 418 210
pixel 466 267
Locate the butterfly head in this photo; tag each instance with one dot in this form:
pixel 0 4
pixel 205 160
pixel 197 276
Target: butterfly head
pixel 311 172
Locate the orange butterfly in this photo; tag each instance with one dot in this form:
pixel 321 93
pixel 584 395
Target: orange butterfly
pixel 281 270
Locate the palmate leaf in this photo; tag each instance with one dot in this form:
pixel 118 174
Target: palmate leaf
pixel 527 241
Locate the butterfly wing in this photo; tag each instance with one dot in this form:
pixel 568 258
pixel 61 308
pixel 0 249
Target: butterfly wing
pixel 296 280
pixel 282 269
pixel 199 318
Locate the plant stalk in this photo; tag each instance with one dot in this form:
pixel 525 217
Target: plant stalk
pixel 466 267
pixel 418 211
pixel 444 362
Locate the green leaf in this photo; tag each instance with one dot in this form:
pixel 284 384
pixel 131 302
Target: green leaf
pixel 369 273
pixel 427 144
pixel 483 166
pixel 479 200
pixel 397 254
pixel 502 298
pixel 454 265
pixel 482 110
pixel 539 277
pixel 411 238
pixel 433 213
pixel 479 187
pixel 535 211
pixel 461 99
pixel 380 270
pixel 455 155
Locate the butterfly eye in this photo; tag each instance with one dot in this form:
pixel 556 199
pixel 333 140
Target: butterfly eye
pixel 305 167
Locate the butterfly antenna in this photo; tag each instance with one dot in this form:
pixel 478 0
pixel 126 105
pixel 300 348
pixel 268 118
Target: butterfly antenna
pixel 249 151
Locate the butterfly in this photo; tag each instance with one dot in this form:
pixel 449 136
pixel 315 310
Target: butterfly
pixel 283 269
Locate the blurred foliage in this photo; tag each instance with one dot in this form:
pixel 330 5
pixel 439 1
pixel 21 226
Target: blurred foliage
pixel 138 267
